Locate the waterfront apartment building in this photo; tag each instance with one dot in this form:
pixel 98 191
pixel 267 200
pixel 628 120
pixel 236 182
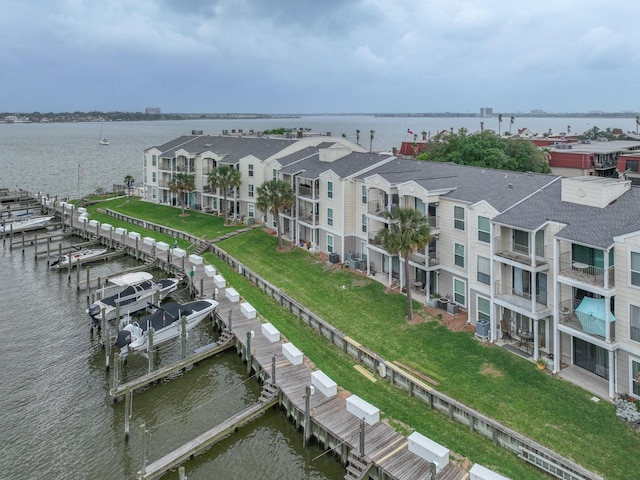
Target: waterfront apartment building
pixel 544 259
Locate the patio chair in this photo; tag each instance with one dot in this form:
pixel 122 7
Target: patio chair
pixel 506 329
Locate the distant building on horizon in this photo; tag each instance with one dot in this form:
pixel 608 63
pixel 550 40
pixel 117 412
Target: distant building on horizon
pixel 486 112
pixel 152 111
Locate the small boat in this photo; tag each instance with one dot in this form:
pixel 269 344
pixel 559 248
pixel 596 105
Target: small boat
pixel 166 323
pixel 24 223
pixel 133 292
pixel 78 256
pixel 103 140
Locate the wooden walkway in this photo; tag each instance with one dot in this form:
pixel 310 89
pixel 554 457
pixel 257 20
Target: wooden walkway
pixel 330 423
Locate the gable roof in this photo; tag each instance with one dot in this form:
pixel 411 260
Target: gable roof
pixel 502 189
pixel 351 164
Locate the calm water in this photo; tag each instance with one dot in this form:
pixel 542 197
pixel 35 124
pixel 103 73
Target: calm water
pixel 57 421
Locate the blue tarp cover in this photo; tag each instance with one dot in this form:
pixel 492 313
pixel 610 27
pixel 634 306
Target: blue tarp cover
pixel 591 313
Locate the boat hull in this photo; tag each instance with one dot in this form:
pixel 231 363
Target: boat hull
pixel 27 223
pixel 76 257
pixel 166 323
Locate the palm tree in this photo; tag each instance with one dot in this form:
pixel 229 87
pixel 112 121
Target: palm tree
pixel 499 122
pixel 511 120
pixel 224 177
pixel 372 132
pixel 358 137
pixel 275 195
pixel 408 231
pixel 481 127
pixel 128 181
pixel 637 124
pixel 182 183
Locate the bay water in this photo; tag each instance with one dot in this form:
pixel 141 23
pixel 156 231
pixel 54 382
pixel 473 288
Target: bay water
pixel 56 418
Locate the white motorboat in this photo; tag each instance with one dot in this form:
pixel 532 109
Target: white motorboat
pixel 76 257
pixel 24 223
pixel 130 293
pixel 166 323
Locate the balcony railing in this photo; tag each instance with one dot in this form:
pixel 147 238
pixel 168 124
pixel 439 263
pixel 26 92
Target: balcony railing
pixel 308 192
pixel 584 272
pixel 309 218
pixel 585 322
pixel 376 208
pixel 502 289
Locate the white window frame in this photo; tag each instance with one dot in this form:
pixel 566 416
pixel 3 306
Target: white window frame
pixel 479 313
pixel 480 272
pixel 329 243
pixel 330 216
pixel 364 194
pixel 251 169
pixel 634 384
pixel 460 298
pixel 329 189
pixel 456 256
pixel 250 210
pixel 365 223
pixel 458 218
pixel 154 160
pixel 250 189
pixel 634 323
pixel 634 275
pixel 482 233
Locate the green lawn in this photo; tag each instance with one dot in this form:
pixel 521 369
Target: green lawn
pixel 487 378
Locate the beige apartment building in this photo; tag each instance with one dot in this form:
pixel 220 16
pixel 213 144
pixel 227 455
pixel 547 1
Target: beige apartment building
pixel 544 263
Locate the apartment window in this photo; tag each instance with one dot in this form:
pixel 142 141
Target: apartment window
pixel 634 322
pixel 458 255
pixel 484 309
pixel 364 223
pixel 635 377
pixel 251 210
pixel 250 189
pixel 484 270
pixel 458 218
pixel 275 174
pixel 364 194
pixel 329 189
pixel 153 177
pixel 459 292
pixel 484 230
pixel 154 193
pixel 329 243
pixel 521 242
pixel 251 170
pixel 154 160
pixel 635 269
pixel 330 216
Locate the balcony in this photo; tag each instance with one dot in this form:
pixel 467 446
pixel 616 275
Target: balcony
pixel 583 272
pixel 421 259
pixel 586 322
pixel 309 218
pixel 519 253
pixel 305 191
pixel 519 299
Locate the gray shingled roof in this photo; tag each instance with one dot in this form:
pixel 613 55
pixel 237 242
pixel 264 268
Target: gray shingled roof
pixel 297 156
pixel 592 226
pixel 344 167
pixel 232 148
pixel 500 188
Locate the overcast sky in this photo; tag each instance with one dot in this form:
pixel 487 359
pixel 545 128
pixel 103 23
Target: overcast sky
pixel 319 56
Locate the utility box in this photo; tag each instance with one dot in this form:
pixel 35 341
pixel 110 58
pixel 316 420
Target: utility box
pixel 334 257
pixel 452 308
pixel 482 328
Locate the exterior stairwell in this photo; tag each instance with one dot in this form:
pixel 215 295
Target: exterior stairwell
pixel 269 391
pixel 357 467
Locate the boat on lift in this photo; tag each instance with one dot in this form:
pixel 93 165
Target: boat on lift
pixel 73 258
pixel 129 294
pixel 24 223
pixel 166 324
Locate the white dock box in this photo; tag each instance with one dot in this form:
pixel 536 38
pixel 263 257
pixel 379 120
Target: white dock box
pixel 210 270
pixel 163 246
pixel 82 210
pixel 322 382
pixel 219 281
pixel 271 332
pixel 93 223
pixel 248 310
pixel 478 472
pixel 121 231
pixel 232 294
pixel 179 252
pixel 195 259
pixel 83 219
pixel 362 409
pixel 149 241
pixel 290 351
pixel 134 235
pixel 429 450
pixel 106 227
